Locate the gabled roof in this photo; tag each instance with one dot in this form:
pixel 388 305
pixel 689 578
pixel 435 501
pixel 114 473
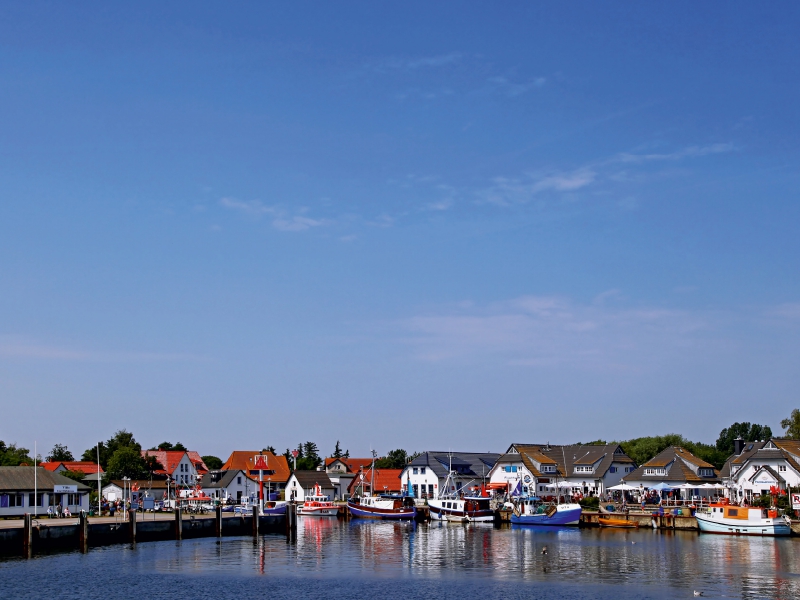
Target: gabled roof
pixel 169 459
pixel 308 479
pixel 790 446
pixel 769 470
pixel 565 457
pixel 80 466
pixel 386 481
pixel 243 460
pixel 352 464
pixel 679 471
pixel 472 464
pixel 22 479
pixel 225 480
pixel 197 460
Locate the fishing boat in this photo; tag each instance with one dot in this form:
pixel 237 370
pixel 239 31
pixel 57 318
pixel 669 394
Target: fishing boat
pixel 531 510
pixel 619 523
pixel 742 520
pixel 386 506
pixel 318 505
pixel 461 508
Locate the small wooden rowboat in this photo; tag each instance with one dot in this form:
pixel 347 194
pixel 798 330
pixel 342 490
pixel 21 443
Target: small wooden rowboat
pixel 620 523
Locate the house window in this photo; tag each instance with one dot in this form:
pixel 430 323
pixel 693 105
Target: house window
pixel 655 471
pixel 430 489
pixel 422 470
pixel 415 470
pixel 782 468
pixel 612 469
pixel 35 499
pixel 416 490
pixel 549 469
pixel 583 469
pixel 11 500
pixel 514 468
pixel 706 472
pixel 239 480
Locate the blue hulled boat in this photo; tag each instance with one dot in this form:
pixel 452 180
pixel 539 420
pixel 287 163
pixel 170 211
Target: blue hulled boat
pixel 532 511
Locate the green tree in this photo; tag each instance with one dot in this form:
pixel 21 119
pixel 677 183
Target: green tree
pixel 59 453
pixel 76 475
pixel 792 425
pixel 13 456
pixel 121 439
pixel 212 462
pixel 337 451
pixel 126 462
pixel 395 459
pixel 269 449
pixel 308 456
pixel 748 432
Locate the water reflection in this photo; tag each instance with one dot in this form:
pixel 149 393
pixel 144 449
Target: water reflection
pixel 596 562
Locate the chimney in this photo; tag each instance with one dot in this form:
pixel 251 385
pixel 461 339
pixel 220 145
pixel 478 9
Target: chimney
pixel 738 445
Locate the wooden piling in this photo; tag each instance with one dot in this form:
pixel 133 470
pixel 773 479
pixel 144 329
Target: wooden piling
pixel 255 522
pixel 83 533
pixel 27 536
pixel 132 525
pixel 219 521
pixel 178 524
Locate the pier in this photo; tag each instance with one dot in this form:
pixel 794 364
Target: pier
pixel 30 535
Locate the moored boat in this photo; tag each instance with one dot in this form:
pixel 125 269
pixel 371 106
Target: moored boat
pixel 466 509
pixel 619 523
pixel 274 508
pixel 318 505
pixel 386 506
pixel 742 520
pixel 533 511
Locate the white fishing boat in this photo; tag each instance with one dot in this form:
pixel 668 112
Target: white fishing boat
pixel 742 520
pixel 461 508
pixel 318 505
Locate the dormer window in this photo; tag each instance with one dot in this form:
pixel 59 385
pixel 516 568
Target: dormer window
pixel 652 471
pixel 548 469
pixel 706 472
pixel 583 469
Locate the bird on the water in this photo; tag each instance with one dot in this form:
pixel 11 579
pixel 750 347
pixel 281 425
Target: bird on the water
pixel 697 594
pixel 544 550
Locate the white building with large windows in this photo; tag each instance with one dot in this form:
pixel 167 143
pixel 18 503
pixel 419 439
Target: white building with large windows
pixel 21 492
pixel 428 472
pixel 547 470
pixel 756 467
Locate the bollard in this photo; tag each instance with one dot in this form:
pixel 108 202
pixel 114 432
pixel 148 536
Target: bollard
pixel 132 525
pixel 83 533
pixel 255 522
pixel 178 524
pixel 219 521
pixel 27 536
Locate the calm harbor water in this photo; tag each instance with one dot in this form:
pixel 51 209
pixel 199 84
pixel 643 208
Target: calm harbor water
pixel 358 559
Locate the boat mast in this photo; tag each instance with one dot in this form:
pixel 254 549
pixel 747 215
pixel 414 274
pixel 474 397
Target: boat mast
pixel 372 478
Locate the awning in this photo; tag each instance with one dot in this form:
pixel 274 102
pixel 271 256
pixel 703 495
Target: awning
pixel 497 486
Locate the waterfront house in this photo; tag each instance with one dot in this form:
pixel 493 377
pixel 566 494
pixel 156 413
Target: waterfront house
pixel 428 472
pixel 232 486
pixel 301 484
pixel 275 475
pixel 182 467
pixel 549 470
pixel 22 491
pixel 755 467
pixel 386 481
pixel 342 471
pixel 676 466
pixel 136 489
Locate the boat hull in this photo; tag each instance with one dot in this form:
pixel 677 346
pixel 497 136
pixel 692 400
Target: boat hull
pixel 318 511
pixel 444 514
pixel 617 523
pixel 565 514
pixel 768 527
pixel 276 510
pixel 370 512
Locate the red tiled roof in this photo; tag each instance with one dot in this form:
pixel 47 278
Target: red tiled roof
pixel 169 459
pixel 82 466
pixel 352 464
pixel 197 460
pixel 386 481
pixel 242 460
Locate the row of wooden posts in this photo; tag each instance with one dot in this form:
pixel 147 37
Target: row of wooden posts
pixel 83 528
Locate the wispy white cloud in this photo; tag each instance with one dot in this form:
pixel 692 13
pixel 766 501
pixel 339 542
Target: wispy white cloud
pixel 505 191
pixel 282 220
pixel 507 87
pixel 545 330
pixel 688 152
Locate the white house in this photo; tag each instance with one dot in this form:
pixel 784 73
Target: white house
pixel 183 468
pixel 301 484
pixel 341 471
pixel 552 470
pixel 428 473
pixel 233 487
pixel 21 492
pixel 755 467
pixel 676 466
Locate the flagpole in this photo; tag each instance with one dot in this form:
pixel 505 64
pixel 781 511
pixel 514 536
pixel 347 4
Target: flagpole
pixel 35 483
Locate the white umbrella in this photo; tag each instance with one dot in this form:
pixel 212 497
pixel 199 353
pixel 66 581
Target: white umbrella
pixel 622 487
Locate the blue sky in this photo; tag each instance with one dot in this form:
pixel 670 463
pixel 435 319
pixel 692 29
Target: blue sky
pixel 456 226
